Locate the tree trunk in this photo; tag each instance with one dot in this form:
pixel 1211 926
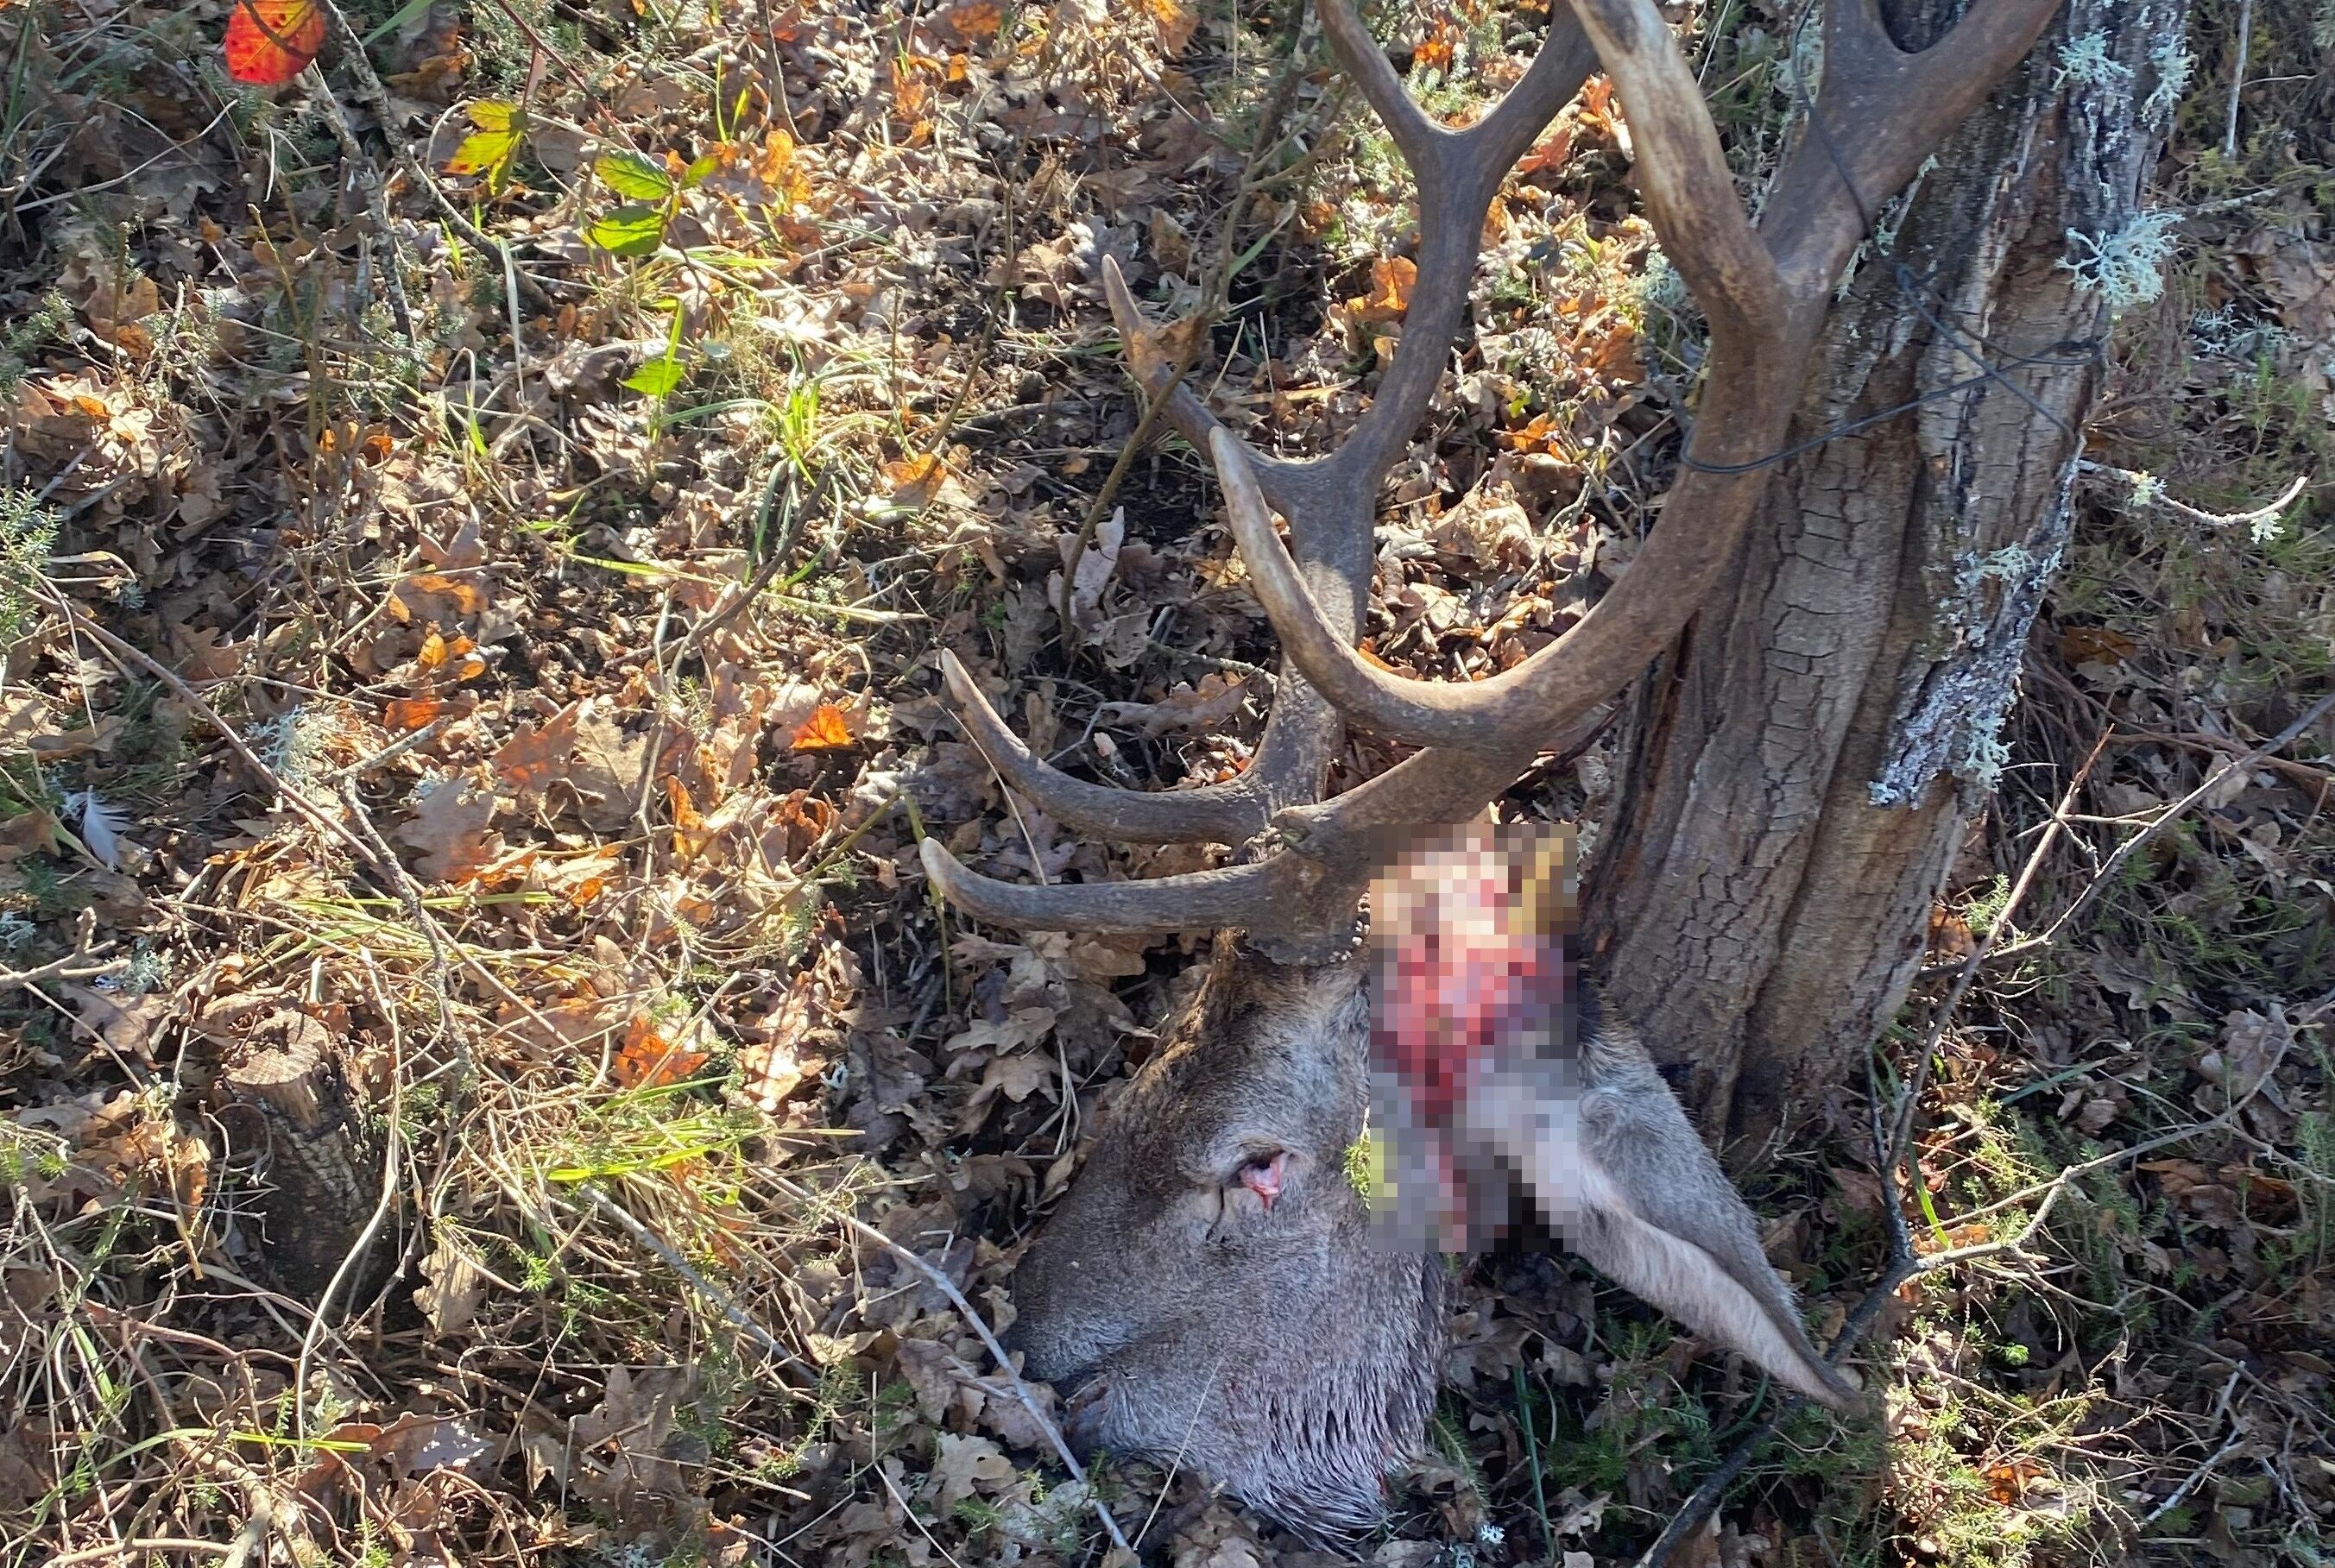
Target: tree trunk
pixel 1798 771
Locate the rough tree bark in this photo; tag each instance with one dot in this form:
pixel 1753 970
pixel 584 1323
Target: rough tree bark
pixel 1798 771
pixel 282 1091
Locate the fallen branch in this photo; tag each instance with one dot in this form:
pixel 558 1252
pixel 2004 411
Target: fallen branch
pixel 74 966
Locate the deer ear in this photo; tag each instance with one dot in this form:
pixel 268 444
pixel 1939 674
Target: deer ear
pixel 1712 1290
pixel 1623 1180
pixel 1659 1216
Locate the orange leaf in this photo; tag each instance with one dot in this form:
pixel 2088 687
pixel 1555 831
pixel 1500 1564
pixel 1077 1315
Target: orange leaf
pixel 914 481
pixel 648 1060
pixel 1552 153
pixel 1539 433
pixel 1436 48
pixel 2007 1484
pixel 1392 278
pixel 2095 645
pixel 974 18
pixel 784 175
pixel 1596 102
pixel 828 729
pixel 689 832
pixel 1176 22
pixel 467 597
pixel 270 41
pixel 457 658
pixel 411 712
pixel 902 472
pixel 532 758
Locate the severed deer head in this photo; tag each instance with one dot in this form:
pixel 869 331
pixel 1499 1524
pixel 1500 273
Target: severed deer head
pixel 1210 1287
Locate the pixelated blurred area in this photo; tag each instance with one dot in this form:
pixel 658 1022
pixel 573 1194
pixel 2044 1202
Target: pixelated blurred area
pixel 1468 941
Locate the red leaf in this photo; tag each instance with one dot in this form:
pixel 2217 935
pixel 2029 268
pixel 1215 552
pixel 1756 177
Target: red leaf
pixel 270 41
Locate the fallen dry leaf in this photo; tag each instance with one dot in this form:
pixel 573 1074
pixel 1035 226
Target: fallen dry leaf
pixel 828 729
pixel 449 826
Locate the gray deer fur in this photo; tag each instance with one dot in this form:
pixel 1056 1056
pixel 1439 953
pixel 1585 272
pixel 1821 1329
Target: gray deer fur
pixel 1276 1351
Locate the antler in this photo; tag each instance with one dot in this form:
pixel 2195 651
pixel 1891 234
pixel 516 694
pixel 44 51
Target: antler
pixel 1765 292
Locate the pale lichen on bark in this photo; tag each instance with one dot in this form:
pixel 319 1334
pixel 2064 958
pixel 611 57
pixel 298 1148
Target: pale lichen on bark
pixel 2116 74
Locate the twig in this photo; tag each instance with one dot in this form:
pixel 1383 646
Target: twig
pixel 1895 1148
pixel 395 750
pixel 2303 774
pixel 72 966
pixel 1195 328
pixel 2261 756
pixel 2181 1493
pixel 974 1320
pixel 2125 851
pixel 129 1551
pixel 376 192
pixel 1097 509
pixel 2238 77
pixel 2143 486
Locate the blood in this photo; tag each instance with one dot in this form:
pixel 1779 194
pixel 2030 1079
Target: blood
pixel 1447 1005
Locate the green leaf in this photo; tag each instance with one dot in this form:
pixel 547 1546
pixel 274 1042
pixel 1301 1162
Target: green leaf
pixel 631 231
pixel 488 151
pixel 657 377
pixel 632 176
pixel 404 14
pixel 695 175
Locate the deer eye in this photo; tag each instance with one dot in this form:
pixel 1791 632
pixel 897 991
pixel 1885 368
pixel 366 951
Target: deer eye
pixel 1265 1174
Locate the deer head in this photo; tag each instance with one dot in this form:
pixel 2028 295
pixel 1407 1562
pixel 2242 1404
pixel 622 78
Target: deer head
pixel 1209 1283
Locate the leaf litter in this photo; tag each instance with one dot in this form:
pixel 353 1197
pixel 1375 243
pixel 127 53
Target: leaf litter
pixel 570 539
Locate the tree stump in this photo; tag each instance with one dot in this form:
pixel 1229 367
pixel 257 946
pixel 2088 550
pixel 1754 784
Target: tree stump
pixel 320 1170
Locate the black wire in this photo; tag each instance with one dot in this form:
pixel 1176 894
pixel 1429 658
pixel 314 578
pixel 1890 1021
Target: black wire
pixel 1918 296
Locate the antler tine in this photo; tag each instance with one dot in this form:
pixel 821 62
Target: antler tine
pixel 1458 173
pixel 1331 497
pixel 1683 171
pixel 1902 104
pixel 1296 905
pixel 1218 814
pixel 1293 907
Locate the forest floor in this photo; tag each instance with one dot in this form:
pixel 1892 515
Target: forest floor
pixel 477 1050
